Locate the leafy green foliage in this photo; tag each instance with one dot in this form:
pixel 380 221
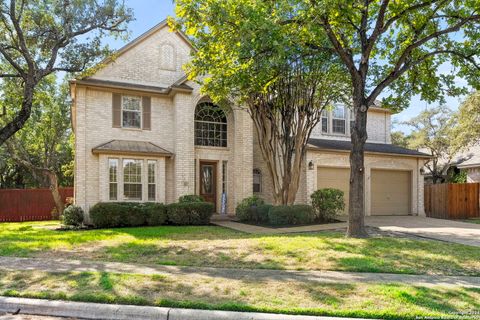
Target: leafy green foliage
pixel 291 214
pixel 434 132
pixel 190 198
pixel 73 216
pixel 400 139
pixel 246 209
pixel 327 203
pixel 467 130
pixel 190 213
pixel 46 141
pixel 155 213
pixel 39 38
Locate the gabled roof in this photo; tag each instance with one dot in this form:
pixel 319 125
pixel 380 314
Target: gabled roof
pixel 344 145
pixel 145 35
pixel 132 148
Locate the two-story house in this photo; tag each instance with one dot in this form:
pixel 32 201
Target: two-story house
pixel 143 132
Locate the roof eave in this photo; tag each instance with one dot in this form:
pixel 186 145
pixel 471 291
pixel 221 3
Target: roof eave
pixel 315 148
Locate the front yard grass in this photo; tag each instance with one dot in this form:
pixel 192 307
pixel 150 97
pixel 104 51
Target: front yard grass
pixel 219 247
pixel 473 220
pixel 382 301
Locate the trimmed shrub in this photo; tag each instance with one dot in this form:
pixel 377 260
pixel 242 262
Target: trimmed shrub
pixel 292 214
pixel 155 214
pixel 190 198
pixel 246 209
pixel 192 213
pixel 262 212
pixel 73 216
pixel 327 203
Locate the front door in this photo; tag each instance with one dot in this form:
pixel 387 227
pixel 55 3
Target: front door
pixel 208 179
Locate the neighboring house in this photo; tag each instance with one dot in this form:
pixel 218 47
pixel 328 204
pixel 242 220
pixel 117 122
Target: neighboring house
pixel 467 160
pixel 145 133
pixel 470 162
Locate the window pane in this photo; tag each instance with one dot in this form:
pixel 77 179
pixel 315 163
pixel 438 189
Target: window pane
pixel 257 180
pixel 324 124
pixel 131 103
pixel 131 112
pixel 132 178
pixel 113 170
pixel 338 126
pixel 151 180
pixel 131 119
pixel 339 112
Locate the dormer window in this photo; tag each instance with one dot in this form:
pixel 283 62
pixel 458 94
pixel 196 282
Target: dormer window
pixel 131 112
pixel 339 120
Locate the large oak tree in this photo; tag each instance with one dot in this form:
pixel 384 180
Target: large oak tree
pixel 38 38
pixel 395 48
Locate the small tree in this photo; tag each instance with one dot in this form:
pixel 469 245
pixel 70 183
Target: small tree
pixel 467 131
pixel 38 38
pixel 434 132
pixel 246 55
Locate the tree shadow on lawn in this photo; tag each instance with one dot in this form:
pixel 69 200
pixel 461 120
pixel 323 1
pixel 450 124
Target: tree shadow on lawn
pixel 390 300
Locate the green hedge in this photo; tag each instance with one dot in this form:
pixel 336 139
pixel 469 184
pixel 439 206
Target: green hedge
pixel 72 216
pixel 291 215
pixel 190 213
pixel 246 210
pixel 127 214
pixel 190 198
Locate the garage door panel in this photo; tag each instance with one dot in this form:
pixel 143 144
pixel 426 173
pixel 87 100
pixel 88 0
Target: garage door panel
pixel 337 178
pixel 390 192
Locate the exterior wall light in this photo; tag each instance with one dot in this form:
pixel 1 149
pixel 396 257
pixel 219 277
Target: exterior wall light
pixel 311 166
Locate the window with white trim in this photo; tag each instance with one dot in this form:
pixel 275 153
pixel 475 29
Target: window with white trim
pixel 339 120
pixel 325 121
pixel 352 120
pixel 131 112
pixel 113 179
pixel 152 164
pixel 132 179
pixel 257 180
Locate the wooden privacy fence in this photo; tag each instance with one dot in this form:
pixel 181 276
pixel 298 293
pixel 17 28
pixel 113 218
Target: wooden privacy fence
pixel 28 204
pixel 452 200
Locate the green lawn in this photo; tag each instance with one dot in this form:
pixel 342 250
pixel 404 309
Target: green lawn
pixel 382 301
pixel 220 247
pixel 473 220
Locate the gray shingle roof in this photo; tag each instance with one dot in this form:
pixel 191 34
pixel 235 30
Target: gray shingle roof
pixel 369 147
pixel 132 86
pixel 131 147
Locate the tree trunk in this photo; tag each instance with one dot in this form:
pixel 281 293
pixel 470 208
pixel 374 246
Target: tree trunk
pixel 356 210
pixel 57 197
pixel 22 116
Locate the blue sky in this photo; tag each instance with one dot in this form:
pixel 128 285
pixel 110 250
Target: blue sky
pixel 150 12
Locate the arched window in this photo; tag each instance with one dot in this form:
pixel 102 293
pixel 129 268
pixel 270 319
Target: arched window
pixel 210 125
pixel 257 180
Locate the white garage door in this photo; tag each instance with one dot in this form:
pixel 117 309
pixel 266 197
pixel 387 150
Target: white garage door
pixel 390 192
pixel 337 178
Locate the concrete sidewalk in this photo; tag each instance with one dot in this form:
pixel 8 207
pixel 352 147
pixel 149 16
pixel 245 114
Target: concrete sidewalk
pixel 97 311
pixel 64 265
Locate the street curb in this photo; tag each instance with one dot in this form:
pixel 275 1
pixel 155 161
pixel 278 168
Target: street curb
pixel 100 311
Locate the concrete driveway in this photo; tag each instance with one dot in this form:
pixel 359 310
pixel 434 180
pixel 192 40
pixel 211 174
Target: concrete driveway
pixel 438 229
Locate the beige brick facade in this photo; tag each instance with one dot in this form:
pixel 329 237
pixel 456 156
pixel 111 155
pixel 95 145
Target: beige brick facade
pixel 155 61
